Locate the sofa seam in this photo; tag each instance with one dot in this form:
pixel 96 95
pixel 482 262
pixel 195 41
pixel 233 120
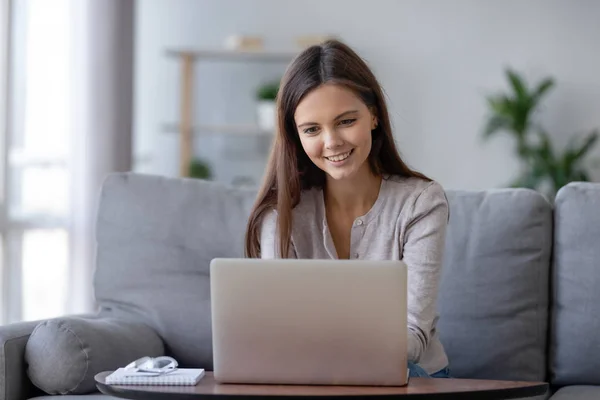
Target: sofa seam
pixel 550 298
pixel 543 334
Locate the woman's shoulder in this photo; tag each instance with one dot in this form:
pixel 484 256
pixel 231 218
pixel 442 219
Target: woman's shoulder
pixel 415 192
pixel 414 186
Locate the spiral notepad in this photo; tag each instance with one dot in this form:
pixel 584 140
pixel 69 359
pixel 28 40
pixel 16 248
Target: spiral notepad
pixel 181 377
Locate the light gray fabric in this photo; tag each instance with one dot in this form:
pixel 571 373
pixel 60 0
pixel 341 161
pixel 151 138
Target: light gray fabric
pixel 575 342
pixel 544 396
pixel 100 396
pixel 64 354
pixel 156 238
pixel 408 222
pixel 104 397
pixel 494 290
pixel 157 235
pixel 92 396
pixel 14 383
pixel 577 393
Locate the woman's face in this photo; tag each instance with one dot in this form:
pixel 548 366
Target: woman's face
pixel 335 130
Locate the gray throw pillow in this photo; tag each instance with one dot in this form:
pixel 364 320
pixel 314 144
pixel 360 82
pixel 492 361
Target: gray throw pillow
pixel 64 354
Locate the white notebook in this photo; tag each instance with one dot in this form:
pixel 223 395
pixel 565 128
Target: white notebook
pixel 183 376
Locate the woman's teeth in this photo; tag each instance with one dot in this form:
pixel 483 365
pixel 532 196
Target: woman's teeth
pixel 339 157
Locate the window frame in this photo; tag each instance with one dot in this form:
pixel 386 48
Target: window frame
pixel 5 40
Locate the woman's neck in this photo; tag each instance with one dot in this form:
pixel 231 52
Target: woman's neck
pixel 355 196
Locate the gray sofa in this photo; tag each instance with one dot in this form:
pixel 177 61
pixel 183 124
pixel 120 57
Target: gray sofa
pixel 517 298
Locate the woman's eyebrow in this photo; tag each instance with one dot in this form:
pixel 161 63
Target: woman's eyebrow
pixel 338 117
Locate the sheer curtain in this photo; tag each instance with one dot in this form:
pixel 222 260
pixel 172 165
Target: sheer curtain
pixel 102 139
pixel 69 125
pixel 4 45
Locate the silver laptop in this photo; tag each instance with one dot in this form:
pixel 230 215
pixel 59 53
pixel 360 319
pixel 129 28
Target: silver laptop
pixel 309 322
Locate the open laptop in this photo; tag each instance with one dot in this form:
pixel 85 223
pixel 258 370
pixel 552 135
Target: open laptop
pixel 309 322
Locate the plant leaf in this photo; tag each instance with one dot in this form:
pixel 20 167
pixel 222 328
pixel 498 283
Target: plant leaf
pixel 574 154
pixel 500 104
pixel 542 88
pixel 496 123
pixel 517 83
pixel 523 104
pixel 588 142
pixel 545 151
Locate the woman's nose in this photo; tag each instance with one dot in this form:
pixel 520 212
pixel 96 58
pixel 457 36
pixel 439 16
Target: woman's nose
pixel 333 139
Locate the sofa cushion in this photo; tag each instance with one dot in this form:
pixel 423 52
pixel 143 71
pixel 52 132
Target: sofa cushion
pixel 494 289
pixel 91 396
pixel 574 340
pixel 156 237
pixel 64 354
pixel 577 393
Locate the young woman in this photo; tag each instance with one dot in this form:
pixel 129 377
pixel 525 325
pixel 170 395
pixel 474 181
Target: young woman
pixel 335 187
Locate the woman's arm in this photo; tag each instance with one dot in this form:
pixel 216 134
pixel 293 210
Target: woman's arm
pixel 269 238
pixel 423 247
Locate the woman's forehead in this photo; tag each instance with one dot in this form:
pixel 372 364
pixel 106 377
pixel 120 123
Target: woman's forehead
pixel 326 103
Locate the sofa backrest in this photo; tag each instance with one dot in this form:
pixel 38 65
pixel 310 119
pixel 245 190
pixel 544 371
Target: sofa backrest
pixel 575 333
pixel 494 290
pixel 156 237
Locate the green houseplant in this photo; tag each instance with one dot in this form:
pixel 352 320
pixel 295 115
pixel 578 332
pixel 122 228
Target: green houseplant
pixel 200 169
pixel 266 94
pixel 544 167
pixel 267 91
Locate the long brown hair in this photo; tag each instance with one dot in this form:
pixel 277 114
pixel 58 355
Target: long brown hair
pixel 289 170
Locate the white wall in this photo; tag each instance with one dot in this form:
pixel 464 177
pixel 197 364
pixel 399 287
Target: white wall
pixel 435 59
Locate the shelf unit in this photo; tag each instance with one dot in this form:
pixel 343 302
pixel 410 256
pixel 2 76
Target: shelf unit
pixel 186 128
pixel 232 129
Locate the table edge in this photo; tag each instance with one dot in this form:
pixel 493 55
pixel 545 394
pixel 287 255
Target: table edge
pixel 535 389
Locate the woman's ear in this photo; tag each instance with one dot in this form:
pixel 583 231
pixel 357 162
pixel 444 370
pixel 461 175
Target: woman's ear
pixel 374 121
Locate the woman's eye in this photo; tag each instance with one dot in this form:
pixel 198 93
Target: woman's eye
pixel 312 129
pixel 347 121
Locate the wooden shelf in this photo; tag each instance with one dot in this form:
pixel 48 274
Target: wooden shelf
pixel 235 55
pixel 233 129
pixel 186 128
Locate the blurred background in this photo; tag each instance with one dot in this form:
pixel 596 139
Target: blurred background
pixel 482 95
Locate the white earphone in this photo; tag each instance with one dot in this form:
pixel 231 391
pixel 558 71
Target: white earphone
pixel 158 364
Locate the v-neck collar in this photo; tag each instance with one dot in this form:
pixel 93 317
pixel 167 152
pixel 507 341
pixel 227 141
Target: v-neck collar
pixel 366 218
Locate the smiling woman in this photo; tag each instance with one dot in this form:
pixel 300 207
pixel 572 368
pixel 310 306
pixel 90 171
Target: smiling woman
pixel 339 142
pixel 334 134
pixel 336 188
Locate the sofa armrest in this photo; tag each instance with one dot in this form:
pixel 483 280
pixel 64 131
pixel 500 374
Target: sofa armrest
pixel 64 354
pixel 14 382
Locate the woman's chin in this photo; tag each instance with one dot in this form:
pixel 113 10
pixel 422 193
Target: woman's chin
pixel 341 175
pixel 348 172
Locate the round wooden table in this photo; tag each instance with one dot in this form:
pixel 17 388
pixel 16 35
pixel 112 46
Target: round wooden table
pixel 422 388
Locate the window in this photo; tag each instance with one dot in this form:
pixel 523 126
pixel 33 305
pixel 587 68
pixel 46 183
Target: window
pixel 35 235
pixel 4 45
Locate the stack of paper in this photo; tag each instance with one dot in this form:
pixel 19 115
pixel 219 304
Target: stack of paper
pixel 182 376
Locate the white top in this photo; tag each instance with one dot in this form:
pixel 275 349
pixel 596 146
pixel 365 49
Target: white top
pixel 407 222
